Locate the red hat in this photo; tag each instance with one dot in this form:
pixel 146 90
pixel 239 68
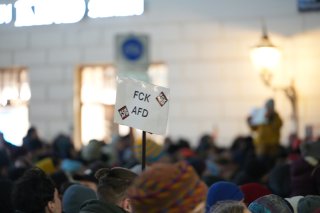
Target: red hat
pixel 253 191
pixel 187 153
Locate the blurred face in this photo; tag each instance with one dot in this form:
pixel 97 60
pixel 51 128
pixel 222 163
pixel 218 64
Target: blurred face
pixel 269 107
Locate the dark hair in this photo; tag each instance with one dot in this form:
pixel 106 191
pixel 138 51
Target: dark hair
pixel 31 131
pixel 228 206
pixel 114 183
pixel 32 192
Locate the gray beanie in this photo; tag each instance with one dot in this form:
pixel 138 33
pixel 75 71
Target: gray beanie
pixel 92 151
pixel 309 204
pixel 75 196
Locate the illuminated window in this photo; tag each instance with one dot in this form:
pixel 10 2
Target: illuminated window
pixel 158 74
pixel 14 97
pixel 95 98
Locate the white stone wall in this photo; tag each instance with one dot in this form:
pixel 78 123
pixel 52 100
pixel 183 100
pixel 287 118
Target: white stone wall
pixel 206 46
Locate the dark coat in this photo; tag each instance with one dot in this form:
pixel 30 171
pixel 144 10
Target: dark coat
pixel 305 178
pixel 97 206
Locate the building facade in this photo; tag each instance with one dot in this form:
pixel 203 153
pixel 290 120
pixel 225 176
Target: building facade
pixel 205 46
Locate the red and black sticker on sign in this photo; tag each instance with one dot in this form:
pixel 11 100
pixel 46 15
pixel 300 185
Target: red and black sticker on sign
pixel 162 99
pixel 124 113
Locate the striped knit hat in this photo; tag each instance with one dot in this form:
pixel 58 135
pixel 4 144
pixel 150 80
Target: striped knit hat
pixel 153 150
pixel 167 188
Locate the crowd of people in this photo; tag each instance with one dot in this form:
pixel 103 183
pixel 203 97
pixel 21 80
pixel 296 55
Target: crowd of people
pixel 41 177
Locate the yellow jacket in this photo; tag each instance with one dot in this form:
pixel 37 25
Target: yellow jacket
pixel 267 136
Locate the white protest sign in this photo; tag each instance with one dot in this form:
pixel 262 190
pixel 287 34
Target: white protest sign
pixel 141 105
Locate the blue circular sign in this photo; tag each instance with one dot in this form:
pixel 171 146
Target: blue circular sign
pixel 132 49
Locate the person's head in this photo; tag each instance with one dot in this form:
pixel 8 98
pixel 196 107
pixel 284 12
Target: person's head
pixel 113 186
pixel 198 164
pixel 229 206
pixel 47 164
pixel 309 203
pixel 92 151
pixel 223 190
pixel 74 196
pixel 63 146
pixel 154 151
pixel 32 132
pixel 279 180
pixel 253 191
pixel 168 188
pixel 35 192
pixel 269 203
pixel 270 105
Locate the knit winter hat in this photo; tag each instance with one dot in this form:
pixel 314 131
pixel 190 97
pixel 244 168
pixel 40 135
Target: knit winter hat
pixel 269 204
pixel 46 165
pixel 309 204
pixel 153 151
pixel 187 153
pixel 293 201
pixel 92 151
pixel 170 188
pixel 253 191
pixel 223 190
pixel 71 166
pixel 75 196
